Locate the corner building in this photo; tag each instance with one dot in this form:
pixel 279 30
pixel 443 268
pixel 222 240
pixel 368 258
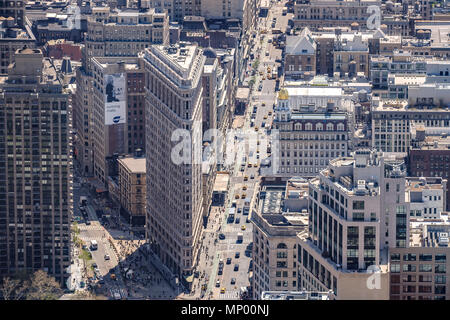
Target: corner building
pixel 174 191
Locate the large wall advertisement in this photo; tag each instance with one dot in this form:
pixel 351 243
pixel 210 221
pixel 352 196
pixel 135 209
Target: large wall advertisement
pixel 115 100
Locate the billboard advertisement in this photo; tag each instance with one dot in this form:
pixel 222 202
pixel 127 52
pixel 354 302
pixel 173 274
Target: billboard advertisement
pixel 115 100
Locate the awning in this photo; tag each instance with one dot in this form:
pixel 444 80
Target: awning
pixel 189 279
pixel 101 190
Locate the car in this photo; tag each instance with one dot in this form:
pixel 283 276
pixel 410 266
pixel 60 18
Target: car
pixel 221 236
pixel 107 257
pixel 237 220
pixel 239 210
pixel 218 283
pixel 252 176
pixel 236 267
pixel 228 260
pixel 233 280
pixel 245 178
pixel 263 104
pixel 220 272
pixel 222 290
pixel 82 284
pixel 243 196
pixel 237 255
pixel 236 196
pixel 247 220
pixel 265 117
pixel 88 223
pixel 94 265
pixel 243 227
pixel 270 113
pixel 256 129
pixel 257 156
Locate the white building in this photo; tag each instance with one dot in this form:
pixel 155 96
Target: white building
pixel 426 198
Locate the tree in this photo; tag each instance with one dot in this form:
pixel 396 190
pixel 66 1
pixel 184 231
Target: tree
pixel 13 288
pixel 43 287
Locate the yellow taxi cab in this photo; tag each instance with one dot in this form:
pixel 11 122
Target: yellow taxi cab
pixel 270 113
pixel 244 188
pixel 265 117
pixel 245 178
pixel 264 78
pixel 243 196
pixel 263 104
pixel 222 290
pixel 243 227
pixel 236 196
pixel 256 128
pixel 261 73
pixel 249 165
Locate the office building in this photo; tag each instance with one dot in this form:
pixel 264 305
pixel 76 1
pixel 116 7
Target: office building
pixel 316 14
pixel 280 212
pixel 132 189
pixel 123 33
pixel 174 188
pixel 393 120
pixel 422 271
pixel 429 156
pixel 309 135
pixel 357 211
pixel 36 165
pixel 118 122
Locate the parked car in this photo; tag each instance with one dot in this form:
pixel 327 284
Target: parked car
pixel 236 267
pixel 228 260
pixel 237 255
pixel 221 236
pixel 233 280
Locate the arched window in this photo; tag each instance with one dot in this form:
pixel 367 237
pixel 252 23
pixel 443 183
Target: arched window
pixel 282 246
pixel 330 127
pixel 298 126
pixel 319 127
pixel 308 127
pixel 340 127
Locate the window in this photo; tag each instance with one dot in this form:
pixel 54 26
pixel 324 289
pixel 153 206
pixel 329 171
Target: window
pixel 409 268
pixel 425 268
pixel 395 268
pixel 281 246
pixel 409 257
pixel 395 257
pixel 358 216
pixel 358 205
pixel 427 278
pixel 440 279
pixel 440 268
pixel 440 257
pixel 425 257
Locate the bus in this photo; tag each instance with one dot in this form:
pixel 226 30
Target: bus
pixel 94 245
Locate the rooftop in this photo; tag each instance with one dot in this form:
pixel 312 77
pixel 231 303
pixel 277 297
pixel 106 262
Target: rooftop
pixel 133 164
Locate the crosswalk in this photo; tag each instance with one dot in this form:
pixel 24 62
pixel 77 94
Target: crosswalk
pixel 91 227
pixel 230 295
